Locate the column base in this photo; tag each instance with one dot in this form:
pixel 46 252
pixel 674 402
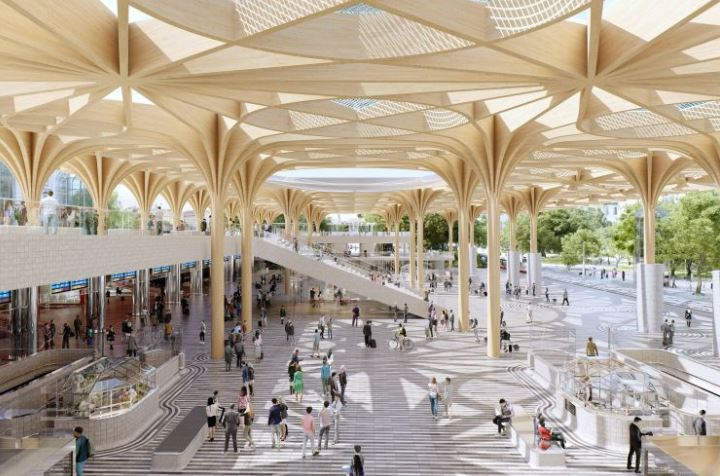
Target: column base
pixel 513 268
pixel 649 287
pixel 534 270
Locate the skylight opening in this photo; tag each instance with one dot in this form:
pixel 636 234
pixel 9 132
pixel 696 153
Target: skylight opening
pixel 356 104
pixel 360 9
pixel 134 15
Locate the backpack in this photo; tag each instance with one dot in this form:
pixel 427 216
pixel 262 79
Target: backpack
pixel 283 411
pixel 251 374
pixel 90 453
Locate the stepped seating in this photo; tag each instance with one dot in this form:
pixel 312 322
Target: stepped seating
pixel 177 449
pixel 522 435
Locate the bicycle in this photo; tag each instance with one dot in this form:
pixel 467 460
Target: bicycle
pixel 394 344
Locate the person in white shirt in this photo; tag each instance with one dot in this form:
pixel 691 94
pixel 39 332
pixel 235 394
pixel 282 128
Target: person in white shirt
pixel 529 314
pixel 48 211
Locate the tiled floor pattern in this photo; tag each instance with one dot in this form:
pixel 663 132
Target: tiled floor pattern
pixel 388 411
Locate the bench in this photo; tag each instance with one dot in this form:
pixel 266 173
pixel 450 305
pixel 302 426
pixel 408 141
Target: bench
pixel 178 448
pixel 522 435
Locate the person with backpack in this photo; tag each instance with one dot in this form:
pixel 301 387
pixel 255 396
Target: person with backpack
pixel 357 463
pixel 283 313
pixel 248 377
pixel 231 422
pixel 83 450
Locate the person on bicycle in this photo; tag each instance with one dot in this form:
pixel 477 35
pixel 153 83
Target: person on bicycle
pixel 400 335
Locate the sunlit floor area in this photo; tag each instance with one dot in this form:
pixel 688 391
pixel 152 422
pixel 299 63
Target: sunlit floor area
pixel 387 411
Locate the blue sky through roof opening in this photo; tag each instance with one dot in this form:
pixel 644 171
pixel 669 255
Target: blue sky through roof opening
pixel 689 105
pixel 355 103
pixel 359 9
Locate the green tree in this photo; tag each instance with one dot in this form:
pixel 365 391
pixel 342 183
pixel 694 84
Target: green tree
pixel 435 232
pixel 118 218
pixel 583 242
pixel 695 225
pixel 553 225
pixel 375 218
pixel 480 229
pixel 625 232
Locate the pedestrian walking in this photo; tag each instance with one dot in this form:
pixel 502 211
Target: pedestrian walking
pixel 367 333
pixel 355 315
pixel 298 384
pixel 109 336
pixel 565 299
pixel 274 421
pixel 83 450
pixel 329 326
pixel 203 329
pixel 405 313
pixel 452 321
pixel 257 340
pixel 239 349
pixel 308 424
pixel 316 344
pixel 325 374
pixel 636 443
pixel 326 417
pixel 283 416
pixel 283 314
pixel 231 423
pixel 547 294
pixel 591 349
pixel 688 317
pixel 336 407
pixel 131 346
pixel 699 424
pixel 66 336
pixel 248 376
pixel 447 396
pixel 228 356
pixel 77 324
pixel 342 378
pixel 248 419
pixel 529 318
pixel 433 396
pixel 211 411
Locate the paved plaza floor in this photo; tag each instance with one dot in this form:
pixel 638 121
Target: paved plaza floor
pixel 388 411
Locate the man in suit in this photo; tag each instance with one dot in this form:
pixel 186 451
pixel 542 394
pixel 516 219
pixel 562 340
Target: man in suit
pixel 636 443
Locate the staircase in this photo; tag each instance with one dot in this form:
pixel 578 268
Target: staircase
pixel 336 271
